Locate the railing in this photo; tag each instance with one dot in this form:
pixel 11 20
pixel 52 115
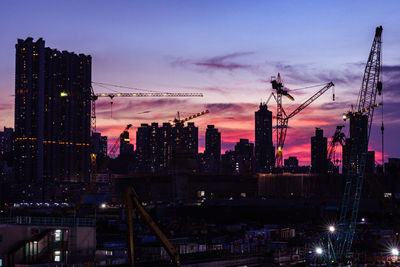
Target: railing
pixel 48 221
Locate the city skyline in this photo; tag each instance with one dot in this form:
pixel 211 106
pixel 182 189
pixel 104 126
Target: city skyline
pixel 229 63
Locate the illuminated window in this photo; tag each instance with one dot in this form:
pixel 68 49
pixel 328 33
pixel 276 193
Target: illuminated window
pixel 57 235
pixel 57 256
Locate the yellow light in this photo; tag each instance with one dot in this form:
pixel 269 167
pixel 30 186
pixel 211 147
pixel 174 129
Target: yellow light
pixel 63 94
pixel 127 140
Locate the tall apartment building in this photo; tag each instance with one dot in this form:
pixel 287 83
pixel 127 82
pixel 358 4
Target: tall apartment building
pixel 125 146
pixel 264 148
pixel 155 146
pixel 319 152
pixel 99 144
pixel 244 156
pixel 359 132
pixel 52 114
pixel 212 153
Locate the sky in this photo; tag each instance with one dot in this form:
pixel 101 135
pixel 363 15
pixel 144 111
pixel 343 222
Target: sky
pixel 227 50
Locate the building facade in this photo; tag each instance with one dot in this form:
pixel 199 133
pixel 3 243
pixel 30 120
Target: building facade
pixel 244 156
pixel 319 152
pixel 212 153
pixel 264 148
pixel 52 114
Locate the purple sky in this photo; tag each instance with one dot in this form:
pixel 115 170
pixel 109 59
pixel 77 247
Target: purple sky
pixel 226 49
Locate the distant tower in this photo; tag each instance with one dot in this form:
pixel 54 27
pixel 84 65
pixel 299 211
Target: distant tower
pixel 244 157
pixel 125 144
pixel 319 162
pixel 212 153
pixel 99 144
pixel 264 148
pixel 52 114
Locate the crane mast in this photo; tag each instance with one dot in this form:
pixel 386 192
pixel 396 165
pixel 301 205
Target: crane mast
pixel 282 119
pixel 360 128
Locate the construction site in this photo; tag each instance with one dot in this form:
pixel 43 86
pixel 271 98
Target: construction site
pixel 162 203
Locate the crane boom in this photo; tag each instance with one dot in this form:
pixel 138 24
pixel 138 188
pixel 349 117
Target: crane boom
pixel 360 128
pixel 191 117
pixel 282 119
pixel 132 202
pixel 112 95
pixel 310 100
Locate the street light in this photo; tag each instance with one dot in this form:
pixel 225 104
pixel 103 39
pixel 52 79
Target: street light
pixel 318 250
pixel 395 252
pixel 332 229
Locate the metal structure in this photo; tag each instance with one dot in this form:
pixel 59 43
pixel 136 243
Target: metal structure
pixel 132 202
pixel 337 138
pixel 360 122
pixel 282 118
pixel 179 121
pixel 112 95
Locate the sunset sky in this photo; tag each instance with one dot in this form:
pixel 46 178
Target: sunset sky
pixel 227 50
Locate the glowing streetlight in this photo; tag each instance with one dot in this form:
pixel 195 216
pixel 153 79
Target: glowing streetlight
pixel 332 229
pixel 395 252
pixel 318 250
pixel 103 206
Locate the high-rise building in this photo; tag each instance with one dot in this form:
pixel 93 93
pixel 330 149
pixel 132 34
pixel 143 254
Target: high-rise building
pixel 6 154
pixel 212 153
pixel 319 153
pixel 156 145
pixel 264 148
pixel 99 144
pixel 125 146
pixel 244 156
pixel 6 141
pixel 291 164
pixel 358 133
pixel 370 163
pixel 52 114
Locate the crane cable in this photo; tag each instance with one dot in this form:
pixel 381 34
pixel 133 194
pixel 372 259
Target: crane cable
pixel 125 87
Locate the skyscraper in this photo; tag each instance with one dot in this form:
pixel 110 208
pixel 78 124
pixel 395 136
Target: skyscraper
pixel 212 153
pixel 264 148
pixel 244 157
pixel 99 144
pixel 319 153
pixel 52 114
pixel 125 146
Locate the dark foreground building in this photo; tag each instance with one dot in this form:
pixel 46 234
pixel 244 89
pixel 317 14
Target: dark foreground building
pixel 264 148
pixel 52 114
pixel 319 152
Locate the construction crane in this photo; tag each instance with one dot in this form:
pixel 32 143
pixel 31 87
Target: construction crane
pixel 132 202
pixel 282 118
pixel 179 121
pixel 360 130
pixel 337 138
pixel 112 95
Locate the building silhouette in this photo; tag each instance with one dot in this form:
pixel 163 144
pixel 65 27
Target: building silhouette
pixel 319 161
pixel 156 146
pixel 358 130
pixel 99 144
pixel 264 148
pixel 244 157
pixel 6 154
pixel 52 114
pixel 125 146
pixel 212 153
pixel 291 164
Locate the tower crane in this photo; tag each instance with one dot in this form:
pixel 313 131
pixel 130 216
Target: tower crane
pixel 360 130
pixel 282 118
pixel 337 138
pixel 112 95
pixel 179 121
